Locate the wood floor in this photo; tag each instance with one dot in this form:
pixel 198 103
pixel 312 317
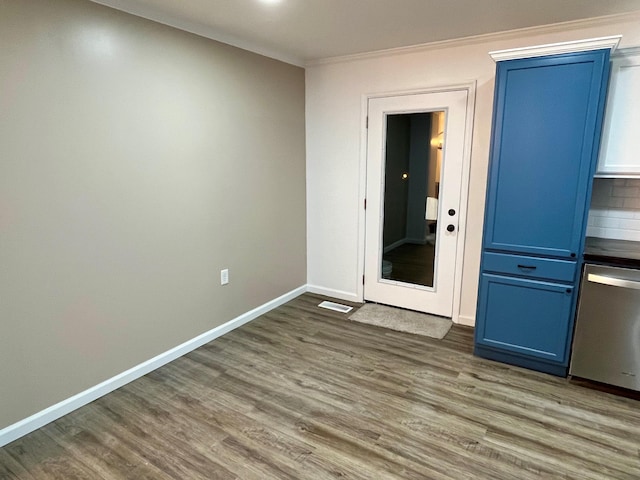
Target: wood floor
pixel 303 393
pixel 412 263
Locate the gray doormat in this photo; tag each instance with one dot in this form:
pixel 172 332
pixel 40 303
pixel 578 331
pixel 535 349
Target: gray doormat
pixel 402 320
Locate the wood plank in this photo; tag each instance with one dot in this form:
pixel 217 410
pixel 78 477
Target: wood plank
pixel 303 392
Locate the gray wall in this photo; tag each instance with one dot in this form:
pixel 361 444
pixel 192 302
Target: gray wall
pixel 395 188
pixel 136 161
pixel 419 161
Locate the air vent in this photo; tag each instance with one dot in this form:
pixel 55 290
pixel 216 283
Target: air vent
pixel 336 306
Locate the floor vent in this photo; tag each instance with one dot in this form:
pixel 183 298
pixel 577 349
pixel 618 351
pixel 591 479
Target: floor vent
pixel 336 306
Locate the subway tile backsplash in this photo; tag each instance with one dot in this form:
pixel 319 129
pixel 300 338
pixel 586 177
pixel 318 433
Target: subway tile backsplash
pixel 615 209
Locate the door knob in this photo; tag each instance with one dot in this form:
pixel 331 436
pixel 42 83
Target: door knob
pixel 450 228
pixel 451 212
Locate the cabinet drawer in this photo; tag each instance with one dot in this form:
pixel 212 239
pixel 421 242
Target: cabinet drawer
pixel 531 267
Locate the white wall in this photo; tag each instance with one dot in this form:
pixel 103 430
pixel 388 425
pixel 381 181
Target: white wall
pixel 335 125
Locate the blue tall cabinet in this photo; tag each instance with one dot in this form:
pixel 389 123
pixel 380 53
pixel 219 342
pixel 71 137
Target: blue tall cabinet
pixel 546 127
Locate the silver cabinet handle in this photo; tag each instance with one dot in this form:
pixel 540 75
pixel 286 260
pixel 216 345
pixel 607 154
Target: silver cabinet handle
pixel 614 282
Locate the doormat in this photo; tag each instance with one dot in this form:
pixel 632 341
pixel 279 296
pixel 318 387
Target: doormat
pixel 402 320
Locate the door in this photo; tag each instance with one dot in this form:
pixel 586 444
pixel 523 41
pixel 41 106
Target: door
pixel 524 316
pixel 545 138
pixel 415 149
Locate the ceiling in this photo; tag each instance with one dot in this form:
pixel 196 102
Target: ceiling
pixel 304 31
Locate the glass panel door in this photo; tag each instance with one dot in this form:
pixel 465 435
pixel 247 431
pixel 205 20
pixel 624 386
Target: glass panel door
pixel 413 166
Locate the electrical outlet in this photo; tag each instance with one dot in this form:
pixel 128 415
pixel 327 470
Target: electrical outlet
pixel 224 276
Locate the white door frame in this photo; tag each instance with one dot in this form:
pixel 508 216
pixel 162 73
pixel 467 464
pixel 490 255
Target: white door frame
pixel 470 88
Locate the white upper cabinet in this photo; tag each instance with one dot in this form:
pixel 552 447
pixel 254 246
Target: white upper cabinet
pixel 620 147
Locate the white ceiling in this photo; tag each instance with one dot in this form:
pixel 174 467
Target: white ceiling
pixel 303 31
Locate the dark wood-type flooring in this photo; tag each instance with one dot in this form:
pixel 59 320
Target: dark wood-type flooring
pixel 303 393
pixel 412 263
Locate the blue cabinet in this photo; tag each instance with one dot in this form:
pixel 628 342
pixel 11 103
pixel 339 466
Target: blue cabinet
pixel 546 124
pixel 529 317
pixel 546 127
pixel 528 266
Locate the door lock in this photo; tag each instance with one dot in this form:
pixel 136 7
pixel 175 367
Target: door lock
pixel 450 228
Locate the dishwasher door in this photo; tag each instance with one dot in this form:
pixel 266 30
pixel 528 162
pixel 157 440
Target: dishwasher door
pixel 606 344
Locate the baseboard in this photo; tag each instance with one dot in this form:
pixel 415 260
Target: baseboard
pixel 416 241
pixel 466 320
pixel 553 368
pixel 40 419
pixel 394 245
pixel 330 292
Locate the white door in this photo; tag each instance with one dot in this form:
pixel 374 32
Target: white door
pixel 415 150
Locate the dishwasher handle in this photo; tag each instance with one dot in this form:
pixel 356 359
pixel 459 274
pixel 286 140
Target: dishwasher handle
pixel 613 281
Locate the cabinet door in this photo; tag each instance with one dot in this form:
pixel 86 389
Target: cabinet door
pixel 547 119
pixel 620 139
pixel 524 316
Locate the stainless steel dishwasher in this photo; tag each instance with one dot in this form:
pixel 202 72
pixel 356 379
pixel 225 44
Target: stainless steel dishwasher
pixel 606 344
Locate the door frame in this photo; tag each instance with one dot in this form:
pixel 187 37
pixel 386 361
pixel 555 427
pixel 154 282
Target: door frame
pixel 470 88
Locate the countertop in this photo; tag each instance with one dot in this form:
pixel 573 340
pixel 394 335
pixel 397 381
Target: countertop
pixel 614 252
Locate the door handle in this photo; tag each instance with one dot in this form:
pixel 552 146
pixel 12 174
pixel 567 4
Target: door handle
pixel 613 281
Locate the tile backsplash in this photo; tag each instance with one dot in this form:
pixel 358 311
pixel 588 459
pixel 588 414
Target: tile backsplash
pixel 615 209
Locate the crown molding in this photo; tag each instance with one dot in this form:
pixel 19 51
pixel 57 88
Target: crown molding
pixel 574 46
pixel 484 38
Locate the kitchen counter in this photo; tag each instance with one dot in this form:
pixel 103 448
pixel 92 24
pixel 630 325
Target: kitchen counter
pixel 623 253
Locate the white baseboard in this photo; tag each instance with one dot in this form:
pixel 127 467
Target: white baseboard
pixel 466 320
pixel 330 292
pixel 397 244
pixel 40 419
pixel 416 241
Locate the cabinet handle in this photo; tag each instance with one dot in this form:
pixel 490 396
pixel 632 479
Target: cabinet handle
pixel 612 281
pixel 527 267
